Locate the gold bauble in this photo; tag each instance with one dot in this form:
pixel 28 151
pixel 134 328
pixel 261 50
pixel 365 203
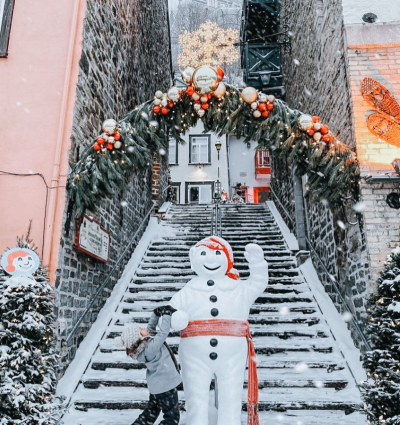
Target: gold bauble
pixel 317 137
pixel 249 95
pixel 221 90
pixel 159 94
pixel 195 96
pixel 174 94
pixel 257 114
pixel 305 122
pixel 109 126
pixel 187 74
pixel 205 79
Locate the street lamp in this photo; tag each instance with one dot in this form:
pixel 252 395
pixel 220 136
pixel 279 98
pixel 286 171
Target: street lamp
pixel 218 145
pixel 217 190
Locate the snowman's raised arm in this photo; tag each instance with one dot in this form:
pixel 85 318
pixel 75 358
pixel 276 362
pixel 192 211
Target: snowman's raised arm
pixel 258 280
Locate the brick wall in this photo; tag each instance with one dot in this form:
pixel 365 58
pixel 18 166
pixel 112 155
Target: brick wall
pixel 125 59
pixel 317 82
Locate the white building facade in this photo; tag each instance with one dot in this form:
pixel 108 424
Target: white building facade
pixel 206 163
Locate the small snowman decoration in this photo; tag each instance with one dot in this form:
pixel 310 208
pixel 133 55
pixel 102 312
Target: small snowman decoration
pixel 217 340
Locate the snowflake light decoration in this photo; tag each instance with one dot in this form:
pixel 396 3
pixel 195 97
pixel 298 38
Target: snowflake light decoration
pixel 209 45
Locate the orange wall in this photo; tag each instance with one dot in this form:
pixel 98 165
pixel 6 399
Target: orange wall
pixel 37 92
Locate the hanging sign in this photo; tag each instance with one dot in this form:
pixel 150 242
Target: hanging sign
pixel 20 262
pixel 92 239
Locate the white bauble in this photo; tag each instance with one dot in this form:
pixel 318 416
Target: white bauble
pixel 109 126
pixel 195 96
pixel 187 74
pixel 249 95
pixel 257 114
pixel 271 98
pixel 117 144
pixel 317 136
pixel 197 106
pixel 220 91
pixel 174 94
pixel 262 97
pixel 164 101
pixel 157 101
pixel 254 105
pixel 305 122
pixel 203 99
pixel 201 112
pixel 317 126
pixel 205 79
pixel 159 94
pixel 111 139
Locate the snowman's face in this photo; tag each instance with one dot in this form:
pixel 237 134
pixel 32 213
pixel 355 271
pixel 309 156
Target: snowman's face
pixel 24 264
pixel 208 262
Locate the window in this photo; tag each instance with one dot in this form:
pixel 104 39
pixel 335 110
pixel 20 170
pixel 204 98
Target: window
pixel 173 152
pixel 263 158
pixel 6 11
pixel 199 150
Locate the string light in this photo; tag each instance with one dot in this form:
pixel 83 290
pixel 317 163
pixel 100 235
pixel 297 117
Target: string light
pixel 209 45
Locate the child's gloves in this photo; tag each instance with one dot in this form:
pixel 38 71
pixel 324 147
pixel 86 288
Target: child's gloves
pixel 165 310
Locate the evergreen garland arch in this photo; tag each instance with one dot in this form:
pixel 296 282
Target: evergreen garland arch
pixel 331 165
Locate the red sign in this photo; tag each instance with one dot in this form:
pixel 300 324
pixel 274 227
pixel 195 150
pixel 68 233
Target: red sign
pixel 92 239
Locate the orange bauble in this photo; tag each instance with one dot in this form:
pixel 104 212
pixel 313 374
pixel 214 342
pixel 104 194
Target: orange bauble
pixel 315 118
pixel 262 107
pixel 170 104
pixel 96 147
pixel 326 138
pixel 189 90
pixel 324 130
pixel 311 132
pixel 156 109
pixel 164 110
pixel 220 72
pixel 209 96
pixel 100 140
pixel 110 146
pixel 205 105
pixel 117 136
pixel 265 114
pixel 270 106
pixel 197 101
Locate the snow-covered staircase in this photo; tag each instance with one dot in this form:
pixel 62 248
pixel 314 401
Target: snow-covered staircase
pixel 304 378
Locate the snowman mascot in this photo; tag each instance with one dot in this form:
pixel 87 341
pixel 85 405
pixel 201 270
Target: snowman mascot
pixel 217 340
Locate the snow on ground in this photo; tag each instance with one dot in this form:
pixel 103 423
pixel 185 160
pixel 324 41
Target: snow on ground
pixel 335 321
pixel 70 380
pixel 289 237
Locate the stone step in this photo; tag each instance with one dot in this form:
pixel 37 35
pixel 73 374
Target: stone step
pixel 262 318
pixel 290 417
pixel 277 289
pixel 278 399
pixel 165 279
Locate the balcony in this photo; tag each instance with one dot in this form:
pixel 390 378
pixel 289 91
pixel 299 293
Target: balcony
pixel 262 162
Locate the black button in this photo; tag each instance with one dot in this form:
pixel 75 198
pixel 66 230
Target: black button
pixel 210 282
pixel 213 298
pixel 213 342
pixel 214 312
pixel 213 356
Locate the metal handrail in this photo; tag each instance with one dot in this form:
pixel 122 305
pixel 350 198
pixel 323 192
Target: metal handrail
pixel 216 220
pixel 333 281
pixel 107 279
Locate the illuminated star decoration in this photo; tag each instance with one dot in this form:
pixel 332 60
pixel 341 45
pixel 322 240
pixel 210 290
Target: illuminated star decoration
pixel 209 45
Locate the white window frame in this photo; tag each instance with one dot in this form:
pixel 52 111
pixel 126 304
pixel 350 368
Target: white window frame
pixel 203 142
pixel 173 149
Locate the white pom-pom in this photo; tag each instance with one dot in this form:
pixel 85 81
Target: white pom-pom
pixel 179 320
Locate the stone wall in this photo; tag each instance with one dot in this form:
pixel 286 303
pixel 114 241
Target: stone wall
pixel 317 82
pixel 125 59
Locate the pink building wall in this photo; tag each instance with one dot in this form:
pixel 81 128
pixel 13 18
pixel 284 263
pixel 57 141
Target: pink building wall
pixel 37 95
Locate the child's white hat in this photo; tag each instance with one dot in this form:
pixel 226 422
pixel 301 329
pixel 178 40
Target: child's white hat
pixel 129 336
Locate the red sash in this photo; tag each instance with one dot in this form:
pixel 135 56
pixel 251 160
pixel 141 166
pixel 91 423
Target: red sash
pixel 236 328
